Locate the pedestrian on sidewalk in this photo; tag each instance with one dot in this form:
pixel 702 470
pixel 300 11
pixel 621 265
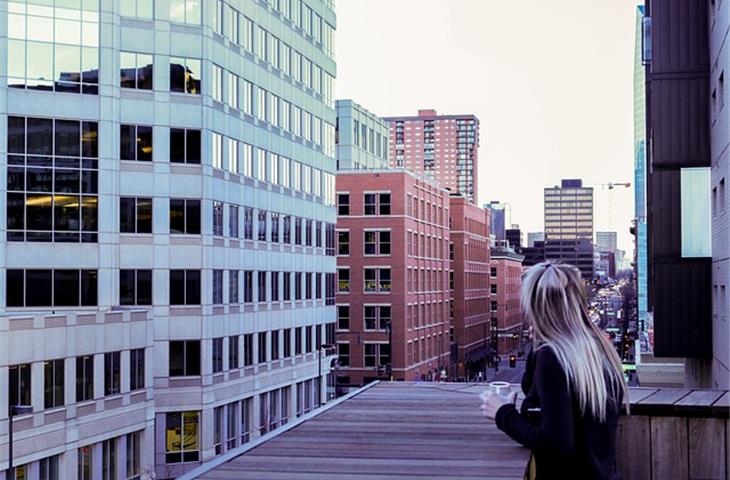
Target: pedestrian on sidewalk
pixel 573 382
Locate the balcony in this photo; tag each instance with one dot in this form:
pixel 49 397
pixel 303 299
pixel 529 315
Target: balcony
pixel 435 430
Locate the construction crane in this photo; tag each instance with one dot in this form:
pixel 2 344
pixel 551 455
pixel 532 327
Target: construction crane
pixel 611 186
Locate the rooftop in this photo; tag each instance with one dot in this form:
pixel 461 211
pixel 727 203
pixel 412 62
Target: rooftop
pixel 387 431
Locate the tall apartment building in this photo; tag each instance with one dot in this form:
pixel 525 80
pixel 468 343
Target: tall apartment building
pixel 167 249
pixel 505 280
pixel 361 138
pixel 686 60
pixel 569 225
pixel 640 226
pixel 392 276
pixel 442 147
pixel 469 279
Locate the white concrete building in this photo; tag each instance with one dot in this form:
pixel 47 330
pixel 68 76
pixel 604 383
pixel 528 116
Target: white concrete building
pixel 167 244
pixel 362 138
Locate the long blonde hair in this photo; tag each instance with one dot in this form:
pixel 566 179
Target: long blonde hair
pixel 554 300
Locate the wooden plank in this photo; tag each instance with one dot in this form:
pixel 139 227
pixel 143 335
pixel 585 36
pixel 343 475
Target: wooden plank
pixel 665 396
pixel 700 398
pixel 707 449
pixel 669 448
pixel 637 394
pixel 633 447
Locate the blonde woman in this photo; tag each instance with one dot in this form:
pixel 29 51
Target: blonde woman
pixel 573 383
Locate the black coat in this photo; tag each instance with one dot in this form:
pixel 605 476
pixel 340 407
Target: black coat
pixel 567 443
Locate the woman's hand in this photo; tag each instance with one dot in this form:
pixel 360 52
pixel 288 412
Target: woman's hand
pixel 493 401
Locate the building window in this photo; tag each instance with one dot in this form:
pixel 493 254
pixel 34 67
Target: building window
pixel 262 347
pixel 343 354
pixel 493 288
pixel 184 287
pixel 185 75
pixel 286 222
pixel 343 280
pixel 287 343
pixel 233 221
pixel 185 11
pixel 112 373
pixel 248 223
pixel 218 218
pixel 54 383
pixel 85 463
pixel 135 215
pixel 184 216
pixel 262 286
pixel 136 369
pixel 136 70
pixel 217 82
pixel 65 62
pixel 377 243
pixel 233 353
pixel 184 145
pixel 298 230
pixel 48 468
pixel 308 285
pixel 493 272
pixel 134 455
pixel 274 344
pixel 274 286
pixel 51 288
pixel 84 378
pixel 275 227
pixel 376 354
pixel 52 180
pixel 343 204
pixel 185 358
pixel 217 355
pixel 377 280
pixel 343 317
pixel 109 459
pixel 298 341
pixel 287 286
pixel 308 340
pixel 377 317
pixel 493 306
pixel 377 204
pixel 135 287
pixel 135 143
pixel 297 286
pixel 138 8
pixel 233 286
pixel 182 437
pixel 19 386
pixel 248 350
pixel 262 226
pixel 247 286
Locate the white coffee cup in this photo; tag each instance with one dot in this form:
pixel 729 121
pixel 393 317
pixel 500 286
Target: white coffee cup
pixel 500 388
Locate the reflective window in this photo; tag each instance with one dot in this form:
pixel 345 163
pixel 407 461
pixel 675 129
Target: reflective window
pixel 54 49
pixel 135 70
pixel 184 145
pixel 135 215
pixel 135 287
pixel 138 8
pixel 184 287
pixel 182 437
pixel 51 288
pixel 52 180
pixel 185 11
pixel 135 143
pixel 184 358
pixel 185 216
pixel 185 75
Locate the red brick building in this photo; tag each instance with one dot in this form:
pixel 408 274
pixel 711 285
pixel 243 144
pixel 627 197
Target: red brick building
pixel 505 280
pixel 469 281
pixel 393 269
pixel 443 147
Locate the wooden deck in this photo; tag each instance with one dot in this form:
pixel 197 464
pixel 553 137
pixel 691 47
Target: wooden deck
pixel 390 431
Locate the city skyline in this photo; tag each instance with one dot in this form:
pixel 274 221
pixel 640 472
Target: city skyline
pixel 495 85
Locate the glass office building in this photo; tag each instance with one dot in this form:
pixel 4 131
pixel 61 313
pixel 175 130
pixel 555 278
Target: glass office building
pixel 167 249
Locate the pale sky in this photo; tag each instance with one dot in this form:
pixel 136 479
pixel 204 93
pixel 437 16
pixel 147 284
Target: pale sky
pixel 550 81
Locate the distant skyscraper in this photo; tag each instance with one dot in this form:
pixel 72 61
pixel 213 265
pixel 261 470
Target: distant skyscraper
pixel 499 212
pixel 569 225
pixel 361 138
pixel 533 237
pixel 606 241
pixel 640 258
pixel 514 237
pixel 443 147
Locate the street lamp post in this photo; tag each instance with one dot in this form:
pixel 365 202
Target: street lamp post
pixel 12 411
